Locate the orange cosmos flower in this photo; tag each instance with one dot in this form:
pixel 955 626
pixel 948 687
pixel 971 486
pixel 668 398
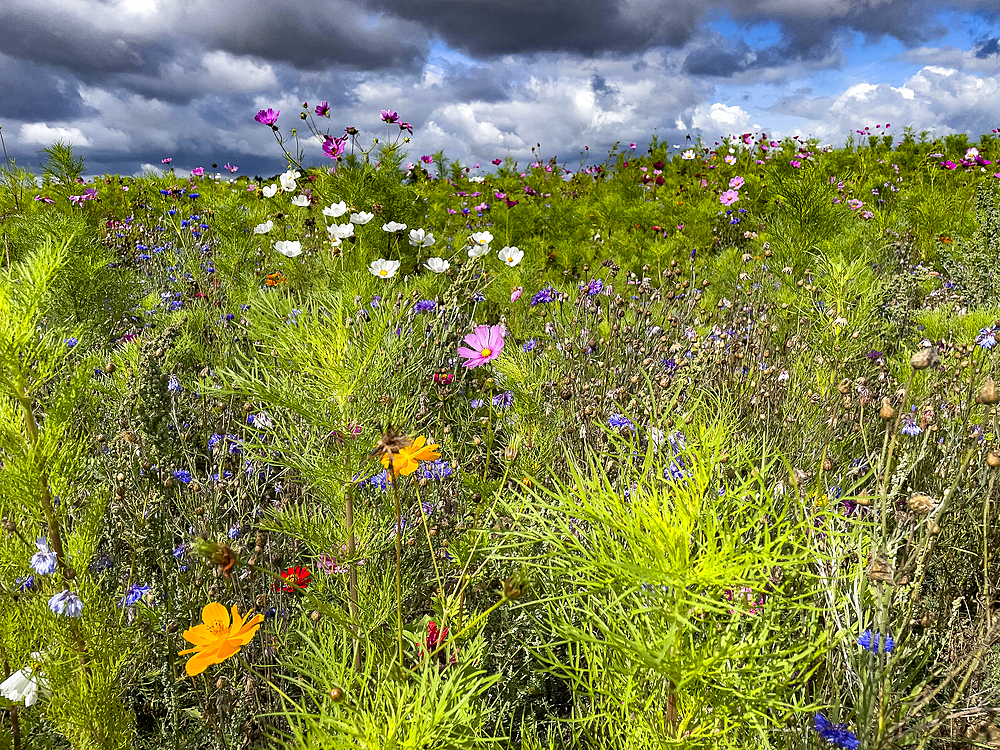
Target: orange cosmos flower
pixel 218 638
pixel 406 460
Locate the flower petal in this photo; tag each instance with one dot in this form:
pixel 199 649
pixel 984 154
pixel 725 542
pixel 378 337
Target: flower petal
pixel 199 635
pixel 200 662
pixel 215 614
pixel 469 353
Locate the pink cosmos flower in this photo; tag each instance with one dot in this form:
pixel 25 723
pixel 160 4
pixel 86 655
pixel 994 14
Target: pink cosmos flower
pixel 323 108
pixel 497 162
pixel 198 171
pixel 231 168
pixel 854 204
pixel 736 183
pixel 44 198
pixel 729 197
pixel 796 163
pixel 486 343
pixel 389 116
pixel 167 160
pixel 515 293
pixel 334 147
pixel 426 158
pixel 267 116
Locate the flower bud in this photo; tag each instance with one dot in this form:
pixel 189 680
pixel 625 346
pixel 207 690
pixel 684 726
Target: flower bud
pixel 337 694
pixel 988 392
pixel 886 412
pixel 925 358
pixel 920 503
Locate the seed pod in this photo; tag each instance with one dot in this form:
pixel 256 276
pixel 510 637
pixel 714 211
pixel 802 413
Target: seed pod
pixel 988 392
pixel 336 695
pixel 993 460
pixel 886 412
pixel 844 386
pixel 924 358
pixel 880 570
pixel 920 503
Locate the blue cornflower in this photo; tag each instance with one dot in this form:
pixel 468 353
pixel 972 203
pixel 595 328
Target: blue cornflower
pixel 43 562
pixel 478 297
pixel 437 469
pixel 174 385
pixel 593 287
pixel 869 642
pixel 214 440
pixel 529 345
pixel 379 480
pixel 183 475
pixel 71 342
pixel 25 584
pixel 180 551
pixel 66 603
pixel 503 399
pixel 235 532
pixel 987 338
pixel 910 426
pixel 543 296
pixel 425 305
pixel 476 403
pixel 837 735
pixel 620 421
pixel 135 593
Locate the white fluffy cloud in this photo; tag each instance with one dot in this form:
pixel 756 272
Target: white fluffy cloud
pixel 40 134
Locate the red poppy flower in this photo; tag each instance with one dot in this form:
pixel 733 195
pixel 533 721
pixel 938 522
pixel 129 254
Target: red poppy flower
pixel 295 576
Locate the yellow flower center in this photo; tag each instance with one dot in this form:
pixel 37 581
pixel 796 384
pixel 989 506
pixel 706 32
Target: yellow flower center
pixel 383 272
pixel 486 352
pixel 292 578
pixel 216 628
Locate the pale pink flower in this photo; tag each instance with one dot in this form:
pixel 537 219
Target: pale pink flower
pixel 729 197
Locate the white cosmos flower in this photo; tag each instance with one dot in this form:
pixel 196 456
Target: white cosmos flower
pixel 384 269
pixel 269 191
pixel 393 226
pixel 24 685
pixel 288 179
pixel 264 228
pixel 335 210
pixel 481 178
pixel 420 238
pixel 478 251
pixel 511 256
pixel 340 231
pixel 688 155
pixel 289 248
pixel 437 265
pixel 301 201
pixel 361 218
pixel 481 238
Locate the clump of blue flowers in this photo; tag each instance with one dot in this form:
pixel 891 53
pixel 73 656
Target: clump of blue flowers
pixel 66 603
pixel 837 735
pixel 43 562
pixel 870 642
pixel 134 594
pixel 543 296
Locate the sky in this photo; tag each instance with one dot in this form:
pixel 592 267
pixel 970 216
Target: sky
pixel 131 82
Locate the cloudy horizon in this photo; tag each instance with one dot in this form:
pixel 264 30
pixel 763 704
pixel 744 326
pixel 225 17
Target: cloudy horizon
pixel 132 82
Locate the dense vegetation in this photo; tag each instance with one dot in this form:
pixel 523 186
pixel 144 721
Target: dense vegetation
pixel 717 470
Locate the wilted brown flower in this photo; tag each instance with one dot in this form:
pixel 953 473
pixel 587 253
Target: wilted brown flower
pixel 920 503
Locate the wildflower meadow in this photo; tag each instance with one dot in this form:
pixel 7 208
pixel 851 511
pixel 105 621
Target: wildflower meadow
pixel 695 446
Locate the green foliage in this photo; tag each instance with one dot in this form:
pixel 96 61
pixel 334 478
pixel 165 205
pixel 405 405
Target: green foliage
pixel 60 166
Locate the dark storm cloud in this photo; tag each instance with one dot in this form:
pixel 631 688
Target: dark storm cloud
pixel 485 28
pixel 989 47
pixel 32 91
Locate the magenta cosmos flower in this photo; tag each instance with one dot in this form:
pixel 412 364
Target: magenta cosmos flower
pixel 486 343
pixel 267 116
pixel 389 116
pixel 729 197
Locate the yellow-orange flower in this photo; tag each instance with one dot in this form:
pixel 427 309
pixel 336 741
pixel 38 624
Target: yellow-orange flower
pixel 406 460
pixel 218 637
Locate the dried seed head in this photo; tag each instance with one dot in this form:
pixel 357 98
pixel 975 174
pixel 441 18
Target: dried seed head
pixel 844 386
pixel 392 442
pixel 993 460
pixel 925 358
pixel 886 412
pixel 988 392
pixel 880 570
pixel 920 503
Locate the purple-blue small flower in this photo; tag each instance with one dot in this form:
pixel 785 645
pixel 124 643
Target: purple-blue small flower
pixel 379 480
pixel 66 603
pixel 437 469
pixel 987 338
pixel 174 385
pixel 593 287
pixel 837 735
pixel 529 345
pixel 183 475
pixel 478 297
pixel 43 562
pixel 71 342
pixel 425 305
pixel 235 532
pixel 620 421
pixel 543 296
pixel 869 642
pixel 909 426
pixel 476 403
pixel 502 400
pixel 134 594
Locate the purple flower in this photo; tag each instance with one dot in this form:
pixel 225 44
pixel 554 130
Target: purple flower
pixel 389 116
pixel 543 296
pixel 987 338
pixel 407 127
pixel 503 399
pixel 323 109
pixel 183 475
pixel 134 594
pixel 620 421
pixel 425 305
pixel 910 426
pixel 837 735
pixel 43 562
pixel 869 642
pixel 334 147
pixel 174 385
pixel 71 342
pixel 66 603
pixel 267 116
pixel 437 469
pixel 198 171
pixel 592 288
pixel 528 345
